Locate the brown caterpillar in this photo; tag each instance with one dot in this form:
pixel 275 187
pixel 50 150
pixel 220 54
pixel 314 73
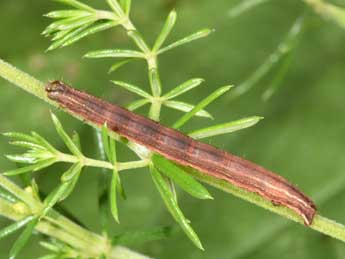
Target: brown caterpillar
pixel 184 150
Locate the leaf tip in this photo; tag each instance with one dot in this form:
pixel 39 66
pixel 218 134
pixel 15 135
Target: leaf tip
pixel 209 197
pixel 199 245
pixel 259 118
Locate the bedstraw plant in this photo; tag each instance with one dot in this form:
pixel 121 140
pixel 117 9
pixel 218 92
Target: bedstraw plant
pixel 34 211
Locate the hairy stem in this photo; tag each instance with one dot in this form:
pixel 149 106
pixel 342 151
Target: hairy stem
pixel 320 224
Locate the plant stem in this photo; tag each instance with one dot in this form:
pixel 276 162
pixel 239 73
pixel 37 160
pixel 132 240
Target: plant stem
pixel 120 166
pixel 151 59
pixel 328 10
pixel 320 223
pixel 90 245
pixel 24 81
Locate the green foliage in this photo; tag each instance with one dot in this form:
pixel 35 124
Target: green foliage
pixel 202 104
pixel 180 177
pixel 73 25
pixel 69 27
pixel 284 51
pixel 23 238
pixel 173 207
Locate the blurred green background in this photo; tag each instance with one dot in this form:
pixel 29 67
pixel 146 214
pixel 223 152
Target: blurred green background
pixel 301 137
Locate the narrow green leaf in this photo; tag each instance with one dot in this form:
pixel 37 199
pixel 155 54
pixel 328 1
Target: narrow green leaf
pixel 279 76
pixel 54 197
pixel 186 107
pixel 76 139
pixel 137 104
pixel 180 177
pixel 44 163
pixel 33 168
pixel 69 24
pixel 76 4
pixel 35 189
pixel 66 14
pixel 15 226
pixel 71 35
pixel 21 170
pixel 59 35
pixel 132 88
pixel 112 149
pixel 184 87
pixel 73 171
pixel 209 99
pixel 140 237
pixel 168 26
pixel 69 189
pixel 26 144
pixel 109 145
pixel 190 38
pixel 115 53
pixel 23 238
pixel 225 128
pixel 113 195
pixel 114 181
pixel 244 6
pixel 172 187
pixel 64 136
pixel 139 40
pixel 34 155
pixel 173 208
pixel 40 140
pixel 50 246
pixel 105 141
pixel 119 64
pixel 20 136
pixel 59 25
pixel 115 6
pixel 7 196
pixel 99 144
pixel 155 83
pixel 89 31
pixel 21 159
pixel 126 6
pixel 284 47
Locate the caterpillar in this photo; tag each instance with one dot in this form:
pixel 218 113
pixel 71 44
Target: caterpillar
pixel 184 150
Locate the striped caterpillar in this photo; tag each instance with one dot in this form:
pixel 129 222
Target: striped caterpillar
pixel 184 150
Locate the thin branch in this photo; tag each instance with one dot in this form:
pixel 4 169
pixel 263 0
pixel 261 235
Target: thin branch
pixel 320 224
pixel 55 225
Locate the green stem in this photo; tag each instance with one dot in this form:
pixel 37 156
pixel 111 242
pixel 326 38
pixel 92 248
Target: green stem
pixel 90 245
pixel 151 59
pixel 328 10
pixel 24 81
pixel 19 193
pixel 320 224
pixel 121 166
